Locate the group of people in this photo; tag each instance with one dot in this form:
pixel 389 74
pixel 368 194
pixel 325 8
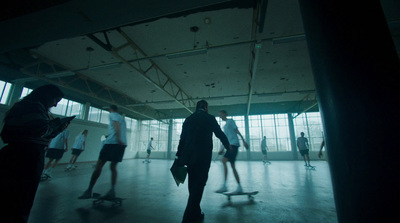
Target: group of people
pixel 29 131
pixel 58 146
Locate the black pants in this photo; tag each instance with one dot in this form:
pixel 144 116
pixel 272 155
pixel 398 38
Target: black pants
pixel 20 168
pixel 198 175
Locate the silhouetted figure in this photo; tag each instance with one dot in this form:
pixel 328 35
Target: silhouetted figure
pixel 195 151
pixel 28 128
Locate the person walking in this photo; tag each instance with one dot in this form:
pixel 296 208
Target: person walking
pixel 195 151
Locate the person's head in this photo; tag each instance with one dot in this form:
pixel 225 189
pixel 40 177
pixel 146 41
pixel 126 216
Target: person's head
pixel 49 95
pixel 302 134
pixel 113 108
pixel 203 105
pixel 223 114
pixel 151 138
pixel 85 132
pixel 265 137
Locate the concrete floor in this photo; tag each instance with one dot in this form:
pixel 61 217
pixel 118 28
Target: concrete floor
pixel 288 193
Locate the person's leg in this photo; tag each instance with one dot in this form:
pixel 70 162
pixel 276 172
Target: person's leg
pixel 71 161
pixel 75 158
pixel 48 164
pixel 96 173
pixel 55 163
pixel 198 176
pixel 235 173
pixel 304 158
pixel 223 187
pixel 308 159
pixel 114 173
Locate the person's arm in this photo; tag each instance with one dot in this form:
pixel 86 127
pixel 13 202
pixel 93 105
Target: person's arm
pixel 84 144
pixel 241 136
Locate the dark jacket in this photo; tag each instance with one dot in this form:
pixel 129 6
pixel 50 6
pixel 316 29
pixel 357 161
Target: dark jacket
pixel 195 145
pixel 29 122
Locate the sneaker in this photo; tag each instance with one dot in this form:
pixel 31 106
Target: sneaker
pixel 109 195
pixel 306 164
pixel 222 190
pixel 47 175
pixel 238 190
pixel 86 195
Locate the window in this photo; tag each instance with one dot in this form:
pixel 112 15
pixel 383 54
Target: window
pixel 94 114
pixel 156 129
pixel 104 117
pixel 25 92
pixel 61 107
pixel 311 125
pixel 4 91
pixel 74 108
pixel 176 133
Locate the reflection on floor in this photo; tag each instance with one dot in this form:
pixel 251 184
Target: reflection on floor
pixel 288 193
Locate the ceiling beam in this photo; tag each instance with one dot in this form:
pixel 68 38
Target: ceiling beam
pixel 161 80
pixel 85 89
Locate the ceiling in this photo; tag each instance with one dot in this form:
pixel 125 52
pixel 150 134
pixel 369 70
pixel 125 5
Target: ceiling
pixel 156 59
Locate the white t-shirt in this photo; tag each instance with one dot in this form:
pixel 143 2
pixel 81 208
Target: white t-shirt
pixel 302 142
pixel 149 145
pixel 79 140
pixel 229 130
pixel 58 142
pixel 112 134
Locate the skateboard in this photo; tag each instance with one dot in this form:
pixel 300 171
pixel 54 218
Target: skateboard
pixel 249 194
pixel 98 200
pixel 146 161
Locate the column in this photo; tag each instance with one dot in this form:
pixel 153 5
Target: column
pixel 247 130
pixel 354 65
pixel 170 129
pixel 292 137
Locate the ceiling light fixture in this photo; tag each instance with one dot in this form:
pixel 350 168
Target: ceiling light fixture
pixel 288 39
pixel 105 66
pixel 187 53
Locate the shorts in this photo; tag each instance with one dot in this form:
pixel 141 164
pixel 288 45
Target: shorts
pixel 76 152
pixel 304 152
pixel 264 151
pixel 231 155
pixel 55 153
pixel 148 151
pixel 112 152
